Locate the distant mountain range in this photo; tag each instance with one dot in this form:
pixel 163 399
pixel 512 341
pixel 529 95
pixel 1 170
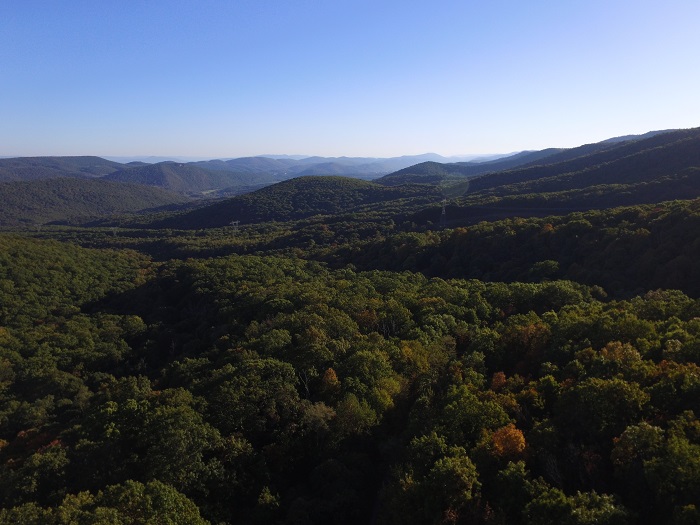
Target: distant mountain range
pixel 435 172
pixel 39 190
pixel 622 170
pixel 286 168
pixel 209 178
pixel 662 166
pixel 212 178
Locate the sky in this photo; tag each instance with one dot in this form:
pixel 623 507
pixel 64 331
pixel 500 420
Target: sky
pixel 232 78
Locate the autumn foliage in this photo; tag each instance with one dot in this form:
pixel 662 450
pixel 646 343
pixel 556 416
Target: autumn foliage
pixel 508 442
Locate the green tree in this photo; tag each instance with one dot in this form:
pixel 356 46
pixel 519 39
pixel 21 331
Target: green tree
pixel 130 503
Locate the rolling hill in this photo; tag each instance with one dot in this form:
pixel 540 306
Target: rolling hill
pixel 36 202
pixel 300 198
pixel 186 179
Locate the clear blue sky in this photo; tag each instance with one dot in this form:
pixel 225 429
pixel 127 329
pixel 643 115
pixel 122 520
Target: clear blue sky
pixel 341 77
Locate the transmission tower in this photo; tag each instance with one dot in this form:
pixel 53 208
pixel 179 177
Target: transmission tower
pixel 443 216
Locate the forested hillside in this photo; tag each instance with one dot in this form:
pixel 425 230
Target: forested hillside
pixel 31 168
pixel 304 197
pixel 624 250
pixel 36 202
pixel 571 159
pixel 633 161
pixel 188 179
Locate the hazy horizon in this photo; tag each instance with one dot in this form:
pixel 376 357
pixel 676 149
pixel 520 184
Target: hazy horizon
pixel 358 79
pixel 180 158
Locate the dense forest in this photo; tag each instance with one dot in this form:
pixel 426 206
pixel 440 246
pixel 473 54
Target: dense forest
pixel 345 356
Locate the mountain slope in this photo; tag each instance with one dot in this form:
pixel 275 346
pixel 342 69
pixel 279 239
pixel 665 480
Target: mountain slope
pixel 66 199
pixel 528 165
pixel 625 162
pixel 32 168
pixel 625 138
